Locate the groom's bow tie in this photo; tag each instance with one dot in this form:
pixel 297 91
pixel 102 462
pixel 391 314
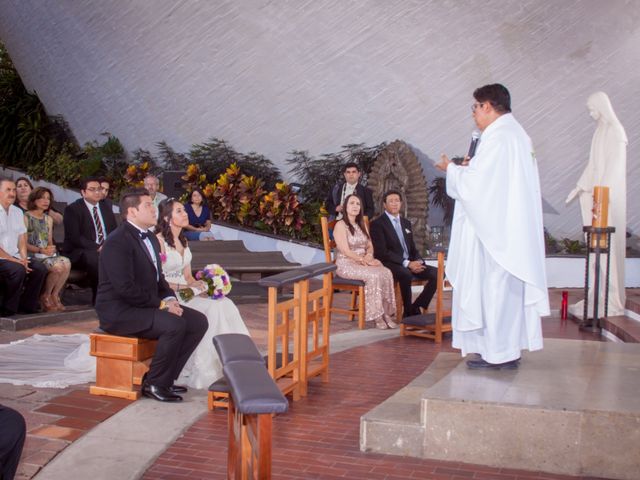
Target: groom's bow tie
pixel 144 235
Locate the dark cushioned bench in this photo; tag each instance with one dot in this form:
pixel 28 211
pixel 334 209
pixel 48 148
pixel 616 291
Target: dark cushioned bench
pixel 253 399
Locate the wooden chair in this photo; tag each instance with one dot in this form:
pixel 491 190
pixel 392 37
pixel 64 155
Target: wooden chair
pixel 355 287
pixel 433 325
pixel 399 305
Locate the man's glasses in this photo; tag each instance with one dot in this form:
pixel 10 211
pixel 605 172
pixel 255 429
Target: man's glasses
pixel 476 105
pixel 94 190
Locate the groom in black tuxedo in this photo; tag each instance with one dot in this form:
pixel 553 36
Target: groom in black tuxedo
pixel 134 298
pixel 393 245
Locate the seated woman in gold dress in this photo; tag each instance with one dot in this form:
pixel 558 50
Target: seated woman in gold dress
pixel 355 261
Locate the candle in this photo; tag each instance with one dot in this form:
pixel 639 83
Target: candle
pixel 600 217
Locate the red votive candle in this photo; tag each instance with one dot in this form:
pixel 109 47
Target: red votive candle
pixel 565 305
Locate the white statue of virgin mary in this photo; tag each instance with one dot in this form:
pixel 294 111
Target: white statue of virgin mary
pixel 607 167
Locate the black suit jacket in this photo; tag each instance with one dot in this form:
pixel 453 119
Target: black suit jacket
pixel 368 208
pixel 130 289
pixel 386 244
pixel 79 229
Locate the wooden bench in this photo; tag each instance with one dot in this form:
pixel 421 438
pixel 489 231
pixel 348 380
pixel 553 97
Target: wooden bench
pixel 121 363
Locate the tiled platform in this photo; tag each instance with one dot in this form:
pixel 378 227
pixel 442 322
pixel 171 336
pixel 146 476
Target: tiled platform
pixel 560 412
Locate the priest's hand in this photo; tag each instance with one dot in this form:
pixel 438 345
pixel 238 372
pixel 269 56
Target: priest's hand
pixel 572 195
pixel 444 163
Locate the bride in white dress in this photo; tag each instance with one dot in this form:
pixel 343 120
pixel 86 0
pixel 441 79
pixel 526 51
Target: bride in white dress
pixel 204 367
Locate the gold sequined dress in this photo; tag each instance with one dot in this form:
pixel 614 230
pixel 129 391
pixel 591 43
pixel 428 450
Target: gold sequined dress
pixel 378 280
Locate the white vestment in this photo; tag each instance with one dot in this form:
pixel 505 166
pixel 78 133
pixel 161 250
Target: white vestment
pixel 607 167
pixel 496 260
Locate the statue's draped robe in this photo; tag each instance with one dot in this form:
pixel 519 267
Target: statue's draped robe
pixel 607 167
pixel 496 260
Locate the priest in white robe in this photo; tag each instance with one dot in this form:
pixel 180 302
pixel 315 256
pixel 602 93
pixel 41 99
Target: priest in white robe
pixel 496 260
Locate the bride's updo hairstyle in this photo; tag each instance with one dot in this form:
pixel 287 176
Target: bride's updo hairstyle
pixel 165 210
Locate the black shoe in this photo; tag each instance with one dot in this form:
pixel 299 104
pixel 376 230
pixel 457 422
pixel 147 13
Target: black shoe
pixel 482 364
pixel 162 394
pixel 178 389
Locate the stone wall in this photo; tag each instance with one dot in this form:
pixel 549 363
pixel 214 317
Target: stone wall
pixel 276 76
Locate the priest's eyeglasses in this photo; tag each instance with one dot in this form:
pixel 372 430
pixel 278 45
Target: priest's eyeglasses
pixel 476 105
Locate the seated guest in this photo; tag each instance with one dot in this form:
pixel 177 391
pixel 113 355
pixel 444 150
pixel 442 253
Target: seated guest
pixel 394 246
pixel 355 261
pixel 135 299
pixel 16 271
pixel 106 188
pixel 152 184
pixel 199 217
pixel 14 432
pixel 351 185
pixel 42 249
pixel 87 222
pixel 23 189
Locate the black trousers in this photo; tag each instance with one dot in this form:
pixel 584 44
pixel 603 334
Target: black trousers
pixel 13 431
pixel 178 337
pixel 23 289
pixel 404 277
pixel 87 261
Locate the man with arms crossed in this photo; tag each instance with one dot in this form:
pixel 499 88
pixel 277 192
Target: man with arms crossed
pixel 496 261
pixel 135 299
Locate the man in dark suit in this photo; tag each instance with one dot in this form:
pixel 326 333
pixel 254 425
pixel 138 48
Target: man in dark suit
pixel 393 245
pixel 342 190
pixel 135 299
pixel 87 222
pixel 13 433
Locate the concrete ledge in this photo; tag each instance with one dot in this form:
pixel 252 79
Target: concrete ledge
pixel 75 313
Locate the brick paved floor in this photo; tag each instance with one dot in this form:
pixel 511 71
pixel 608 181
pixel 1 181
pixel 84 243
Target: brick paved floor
pixel 52 427
pixel 319 437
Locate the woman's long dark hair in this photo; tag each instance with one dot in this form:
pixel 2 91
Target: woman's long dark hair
pixel 165 210
pixel 16 202
pixel 359 217
pixel 36 194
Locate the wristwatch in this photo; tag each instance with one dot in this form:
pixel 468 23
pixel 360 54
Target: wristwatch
pixel 163 305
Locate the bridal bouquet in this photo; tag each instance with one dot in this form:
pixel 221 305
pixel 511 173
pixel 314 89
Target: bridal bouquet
pixel 217 279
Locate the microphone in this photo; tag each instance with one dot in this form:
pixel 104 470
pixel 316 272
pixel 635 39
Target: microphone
pixel 475 138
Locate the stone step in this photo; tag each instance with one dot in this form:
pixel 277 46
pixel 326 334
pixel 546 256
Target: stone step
pixel 566 410
pixel 625 328
pixel 400 416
